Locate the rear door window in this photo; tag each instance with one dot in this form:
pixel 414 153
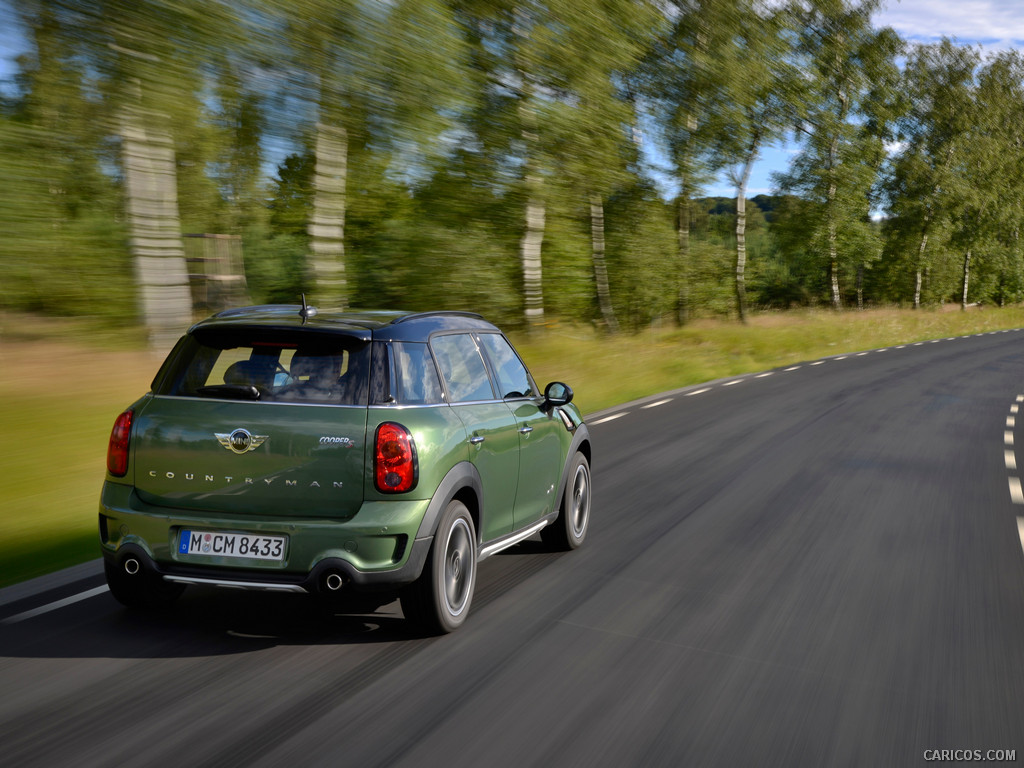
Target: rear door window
pixel 462 368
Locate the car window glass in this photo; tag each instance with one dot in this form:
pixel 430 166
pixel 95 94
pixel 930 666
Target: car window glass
pixel 462 368
pixel 513 378
pixel 241 366
pixel 417 381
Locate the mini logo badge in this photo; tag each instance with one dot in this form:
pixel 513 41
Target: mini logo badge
pixel 240 441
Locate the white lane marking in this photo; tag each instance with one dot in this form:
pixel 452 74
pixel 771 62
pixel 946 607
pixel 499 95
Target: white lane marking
pixel 1011 459
pixel 902 346
pixel 1014 408
pixel 918 344
pixel 818 362
pixel 861 354
pixel 1020 530
pixel 613 417
pixel 1016 494
pixel 54 606
pixel 797 367
pixel 764 375
pixel 935 341
pixel 655 405
pixel 1020 398
pixel 1011 421
pixel 883 349
pixel 730 383
pixel 841 357
pixel 698 392
pixel 1007 438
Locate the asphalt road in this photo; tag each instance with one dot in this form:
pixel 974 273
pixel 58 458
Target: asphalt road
pixel 818 566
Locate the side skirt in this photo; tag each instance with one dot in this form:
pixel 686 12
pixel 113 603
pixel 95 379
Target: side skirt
pixel 511 540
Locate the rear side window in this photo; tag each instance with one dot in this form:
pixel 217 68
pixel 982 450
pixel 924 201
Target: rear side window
pixel 416 381
pixel 274 366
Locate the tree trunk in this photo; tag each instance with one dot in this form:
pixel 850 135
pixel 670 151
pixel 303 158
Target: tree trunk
pixel 741 229
pixel 967 276
pixel 530 247
pixel 151 202
pixel 920 266
pixel 683 301
pixel 860 286
pixel 604 300
pixel 833 254
pixel 327 226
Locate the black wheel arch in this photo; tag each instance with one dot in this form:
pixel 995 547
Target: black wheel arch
pixel 580 444
pixel 463 483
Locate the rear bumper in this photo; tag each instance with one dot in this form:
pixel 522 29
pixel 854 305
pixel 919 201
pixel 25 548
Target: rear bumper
pixel 375 549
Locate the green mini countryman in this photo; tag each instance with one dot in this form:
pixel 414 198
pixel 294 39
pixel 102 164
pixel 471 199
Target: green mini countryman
pixel 353 455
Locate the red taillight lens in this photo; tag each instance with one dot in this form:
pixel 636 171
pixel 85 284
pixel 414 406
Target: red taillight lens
pixel 395 465
pixel 117 449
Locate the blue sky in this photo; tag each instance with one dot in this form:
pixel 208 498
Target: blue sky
pixel 992 24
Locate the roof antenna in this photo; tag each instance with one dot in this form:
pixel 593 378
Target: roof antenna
pixel 307 311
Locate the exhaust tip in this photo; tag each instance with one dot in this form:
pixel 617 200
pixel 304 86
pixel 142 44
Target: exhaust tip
pixel 333 582
pixel 131 566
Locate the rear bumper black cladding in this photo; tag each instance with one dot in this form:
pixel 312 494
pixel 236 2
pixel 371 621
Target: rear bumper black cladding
pixel 317 581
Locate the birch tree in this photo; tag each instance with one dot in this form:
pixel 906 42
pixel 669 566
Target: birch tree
pixel 843 55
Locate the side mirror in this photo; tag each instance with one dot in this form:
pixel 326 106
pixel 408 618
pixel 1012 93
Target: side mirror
pixel 556 393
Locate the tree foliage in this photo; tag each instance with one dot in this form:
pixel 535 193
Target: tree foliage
pixel 499 155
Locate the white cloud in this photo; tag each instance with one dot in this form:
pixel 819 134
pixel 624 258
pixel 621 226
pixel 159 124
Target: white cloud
pixel 995 24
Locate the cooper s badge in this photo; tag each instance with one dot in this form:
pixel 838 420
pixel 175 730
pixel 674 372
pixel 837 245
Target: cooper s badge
pixel 240 441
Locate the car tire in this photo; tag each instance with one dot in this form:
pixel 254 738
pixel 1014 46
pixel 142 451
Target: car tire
pixel 140 590
pixel 570 527
pixel 438 602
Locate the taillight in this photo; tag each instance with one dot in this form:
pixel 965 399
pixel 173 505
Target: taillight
pixel 117 449
pixel 395 465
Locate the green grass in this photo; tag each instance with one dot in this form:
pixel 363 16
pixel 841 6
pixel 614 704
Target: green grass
pixel 62 384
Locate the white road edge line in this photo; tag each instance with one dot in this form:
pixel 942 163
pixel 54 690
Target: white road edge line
pixel 730 383
pixel 764 375
pixel 613 417
pixel 655 405
pixel 698 392
pixel 1016 494
pixel 54 606
pixel 818 362
pixel 797 368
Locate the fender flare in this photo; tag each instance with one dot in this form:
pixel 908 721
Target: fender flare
pixel 462 475
pixel 580 436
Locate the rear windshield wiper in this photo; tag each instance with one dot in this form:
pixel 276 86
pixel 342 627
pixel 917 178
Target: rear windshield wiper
pixel 230 391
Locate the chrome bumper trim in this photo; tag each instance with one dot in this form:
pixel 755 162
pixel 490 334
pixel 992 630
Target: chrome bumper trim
pixel 226 584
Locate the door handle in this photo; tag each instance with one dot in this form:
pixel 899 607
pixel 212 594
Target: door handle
pixel 476 440
pixel 525 430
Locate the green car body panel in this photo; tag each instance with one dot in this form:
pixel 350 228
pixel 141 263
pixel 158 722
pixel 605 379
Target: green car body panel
pixel 292 470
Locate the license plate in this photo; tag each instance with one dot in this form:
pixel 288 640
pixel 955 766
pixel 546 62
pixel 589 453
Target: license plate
pixel 243 545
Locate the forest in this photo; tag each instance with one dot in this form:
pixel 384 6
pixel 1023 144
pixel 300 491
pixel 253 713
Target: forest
pixel 508 157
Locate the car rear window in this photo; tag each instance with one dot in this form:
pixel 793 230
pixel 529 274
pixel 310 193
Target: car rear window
pixel 275 366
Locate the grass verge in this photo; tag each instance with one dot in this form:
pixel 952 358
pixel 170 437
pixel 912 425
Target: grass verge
pixel 61 387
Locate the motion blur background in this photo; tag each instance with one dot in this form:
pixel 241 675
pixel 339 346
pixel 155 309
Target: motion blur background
pixel 570 160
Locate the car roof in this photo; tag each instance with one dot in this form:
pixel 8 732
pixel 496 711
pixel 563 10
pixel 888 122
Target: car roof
pixel 380 325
